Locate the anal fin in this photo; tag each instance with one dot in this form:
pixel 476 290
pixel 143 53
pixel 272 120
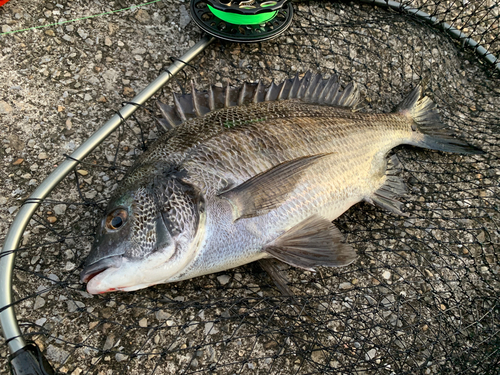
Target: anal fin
pixel 393 188
pixel 313 242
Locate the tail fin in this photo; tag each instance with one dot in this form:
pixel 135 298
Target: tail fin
pixel 429 132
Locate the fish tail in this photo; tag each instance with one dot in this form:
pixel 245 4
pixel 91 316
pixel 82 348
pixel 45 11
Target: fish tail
pixel 428 130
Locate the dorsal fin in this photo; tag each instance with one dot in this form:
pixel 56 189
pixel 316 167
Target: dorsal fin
pixel 259 94
pixel 200 101
pixel 169 115
pixel 311 88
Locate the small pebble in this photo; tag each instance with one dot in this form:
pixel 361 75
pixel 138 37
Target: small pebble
pixel 425 327
pixel 42 156
pixel 120 357
pixel 56 354
pixel 346 285
pixel 371 300
pixel 18 161
pixel 110 340
pixel 161 315
pixel 128 91
pixel 53 277
pixel 386 275
pixel 5 107
pixel 143 322
pixel 372 353
pixel 41 321
pixel 74 305
pixel 270 345
pixel 83 33
pixel 142 16
pixel 90 194
pixel 51 219
pixel 210 329
pixel 59 209
pixel 223 279
pixel 70 266
pixel 82 172
pixel 184 17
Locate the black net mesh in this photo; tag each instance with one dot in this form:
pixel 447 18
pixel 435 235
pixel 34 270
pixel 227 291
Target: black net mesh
pixel 421 298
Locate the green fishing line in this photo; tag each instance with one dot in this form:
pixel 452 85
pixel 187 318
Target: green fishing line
pixel 242 19
pixel 132 7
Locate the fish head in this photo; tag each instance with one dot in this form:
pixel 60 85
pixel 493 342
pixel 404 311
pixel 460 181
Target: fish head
pixel 149 234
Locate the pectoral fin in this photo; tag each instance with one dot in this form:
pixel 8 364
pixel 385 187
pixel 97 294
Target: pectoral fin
pixel 268 190
pixel 312 243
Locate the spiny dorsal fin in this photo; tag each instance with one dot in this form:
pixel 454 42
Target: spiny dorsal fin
pixel 285 89
pixel 200 101
pixel 304 84
pixel 311 88
pixel 169 115
pixel 232 94
pixel 216 97
pixel 259 95
pixel 273 92
pixel 295 87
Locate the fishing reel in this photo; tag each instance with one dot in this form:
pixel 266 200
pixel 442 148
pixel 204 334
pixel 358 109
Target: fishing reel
pixel 247 21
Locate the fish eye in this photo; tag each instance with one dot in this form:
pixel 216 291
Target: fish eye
pixel 116 219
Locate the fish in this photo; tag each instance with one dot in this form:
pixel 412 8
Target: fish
pixel 256 173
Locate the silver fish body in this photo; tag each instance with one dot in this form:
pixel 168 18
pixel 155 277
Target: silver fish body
pixel 254 173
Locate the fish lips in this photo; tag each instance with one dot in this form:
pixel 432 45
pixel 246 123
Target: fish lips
pixel 91 270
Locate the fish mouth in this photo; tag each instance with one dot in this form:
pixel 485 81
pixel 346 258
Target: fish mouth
pixel 94 269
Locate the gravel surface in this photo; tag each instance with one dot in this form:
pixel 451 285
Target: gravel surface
pixel 421 298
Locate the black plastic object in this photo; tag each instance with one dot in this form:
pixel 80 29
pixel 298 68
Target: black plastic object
pixel 30 361
pixel 214 26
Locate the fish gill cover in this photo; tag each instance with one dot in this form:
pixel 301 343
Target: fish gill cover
pixel 422 297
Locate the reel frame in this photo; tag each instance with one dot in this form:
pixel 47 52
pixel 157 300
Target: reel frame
pixel 280 18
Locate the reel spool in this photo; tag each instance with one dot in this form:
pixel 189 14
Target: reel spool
pixel 247 21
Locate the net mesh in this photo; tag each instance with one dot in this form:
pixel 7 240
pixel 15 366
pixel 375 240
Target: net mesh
pixel 421 298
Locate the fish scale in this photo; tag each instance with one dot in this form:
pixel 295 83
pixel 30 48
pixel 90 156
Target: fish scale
pixel 251 173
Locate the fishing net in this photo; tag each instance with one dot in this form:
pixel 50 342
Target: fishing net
pixel 423 295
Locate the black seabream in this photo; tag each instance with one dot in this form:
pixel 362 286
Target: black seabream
pixel 255 172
